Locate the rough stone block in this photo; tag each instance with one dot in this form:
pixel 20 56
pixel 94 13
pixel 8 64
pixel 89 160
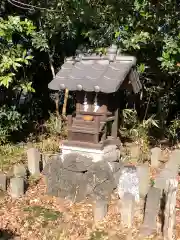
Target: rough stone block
pixel 127 209
pixel 20 171
pixel 111 153
pixel 34 157
pixel 155 156
pixel 115 166
pixel 100 210
pixel 16 187
pixel 77 162
pixel 144 179
pixel 45 159
pixel 149 226
pixel 78 177
pixel 3 182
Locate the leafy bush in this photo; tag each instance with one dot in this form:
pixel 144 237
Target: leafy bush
pixel 10 121
pixel 134 129
pixel 173 131
pixel 17 39
pixel 55 125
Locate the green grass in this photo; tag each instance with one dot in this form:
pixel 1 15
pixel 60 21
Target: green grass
pixel 98 235
pixel 50 144
pixel 47 141
pixel 11 154
pixel 47 214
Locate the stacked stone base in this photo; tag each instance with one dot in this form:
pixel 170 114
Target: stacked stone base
pixel 76 176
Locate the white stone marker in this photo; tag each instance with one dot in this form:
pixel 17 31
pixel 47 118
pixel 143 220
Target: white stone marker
pixel 155 156
pixel 128 182
pixel 34 158
pixel 16 187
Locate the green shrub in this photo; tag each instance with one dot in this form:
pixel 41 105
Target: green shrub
pixel 137 130
pixel 55 126
pixel 173 131
pixel 10 121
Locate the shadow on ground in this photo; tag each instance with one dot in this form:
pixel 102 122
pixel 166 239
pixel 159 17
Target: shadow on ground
pixel 6 234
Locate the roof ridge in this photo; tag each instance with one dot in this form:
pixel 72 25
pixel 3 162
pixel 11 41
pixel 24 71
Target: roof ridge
pixel 117 58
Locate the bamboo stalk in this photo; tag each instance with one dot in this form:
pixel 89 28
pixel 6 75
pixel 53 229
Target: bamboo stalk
pixel 57 95
pixel 65 102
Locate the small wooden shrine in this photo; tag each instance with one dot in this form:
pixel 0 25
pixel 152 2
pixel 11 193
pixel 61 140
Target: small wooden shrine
pixel 97 81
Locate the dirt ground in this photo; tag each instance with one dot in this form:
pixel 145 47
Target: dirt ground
pixel 37 216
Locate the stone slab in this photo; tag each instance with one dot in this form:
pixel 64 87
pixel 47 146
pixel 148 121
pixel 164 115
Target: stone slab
pixel 151 212
pixel 127 209
pixel 110 153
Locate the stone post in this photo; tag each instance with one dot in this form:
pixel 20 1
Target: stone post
pixel 127 209
pixel 170 209
pixel 100 210
pixel 169 172
pixel 2 182
pixel 16 187
pixel 34 158
pixel 20 171
pixel 155 157
pixel 144 178
pixel 149 226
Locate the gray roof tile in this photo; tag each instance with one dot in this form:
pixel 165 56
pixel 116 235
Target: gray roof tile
pixel 91 71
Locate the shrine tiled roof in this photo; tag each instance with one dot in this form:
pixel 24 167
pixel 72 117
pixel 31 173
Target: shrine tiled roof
pixel 107 72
